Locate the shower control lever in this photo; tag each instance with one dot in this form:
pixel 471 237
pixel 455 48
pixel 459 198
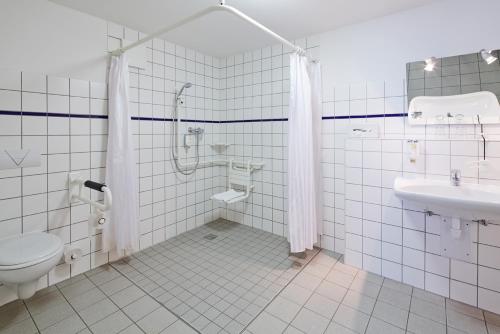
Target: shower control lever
pixel 455 177
pixel 195 131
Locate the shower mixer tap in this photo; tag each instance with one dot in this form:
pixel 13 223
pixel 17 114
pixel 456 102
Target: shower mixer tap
pixel 195 131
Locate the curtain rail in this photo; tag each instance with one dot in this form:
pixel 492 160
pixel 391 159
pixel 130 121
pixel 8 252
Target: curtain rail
pixel 221 7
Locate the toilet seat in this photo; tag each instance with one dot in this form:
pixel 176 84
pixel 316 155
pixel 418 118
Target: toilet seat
pixel 28 249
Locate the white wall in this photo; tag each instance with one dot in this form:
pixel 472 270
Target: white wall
pixel 363 74
pixel 380 48
pixel 42 37
pixel 36 199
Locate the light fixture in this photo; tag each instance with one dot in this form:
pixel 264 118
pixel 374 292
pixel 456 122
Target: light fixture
pixel 487 56
pixel 430 63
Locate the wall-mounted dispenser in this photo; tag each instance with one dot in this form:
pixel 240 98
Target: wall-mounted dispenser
pixel 413 150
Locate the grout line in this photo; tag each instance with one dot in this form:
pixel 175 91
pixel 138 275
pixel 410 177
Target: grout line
pixel 281 290
pixel 140 260
pixel 409 309
pixel 109 298
pixel 31 316
pixel 69 303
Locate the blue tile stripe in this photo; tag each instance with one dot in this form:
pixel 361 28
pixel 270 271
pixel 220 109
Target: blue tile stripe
pixel 161 119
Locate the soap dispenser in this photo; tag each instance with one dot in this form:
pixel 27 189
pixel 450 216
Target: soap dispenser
pixel 413 150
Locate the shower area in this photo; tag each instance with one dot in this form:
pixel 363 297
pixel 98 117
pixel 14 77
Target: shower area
pixel 225 125
pixel 226 253
pixel 209 137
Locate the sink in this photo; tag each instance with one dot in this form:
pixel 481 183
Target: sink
pixel 468 200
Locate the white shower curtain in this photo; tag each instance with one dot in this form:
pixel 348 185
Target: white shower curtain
pixel 121 231
pixel 304 167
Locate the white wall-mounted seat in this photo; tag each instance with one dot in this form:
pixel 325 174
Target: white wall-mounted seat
pixel 239 184
pixel 24 258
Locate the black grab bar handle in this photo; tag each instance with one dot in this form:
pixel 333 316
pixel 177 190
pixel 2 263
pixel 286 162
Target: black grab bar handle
pixel 94 185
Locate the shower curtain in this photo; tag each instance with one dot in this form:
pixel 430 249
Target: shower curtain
pixel 121 231
pixel 304 167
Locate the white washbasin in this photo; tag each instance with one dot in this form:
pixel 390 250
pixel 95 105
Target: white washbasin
pixel 468 200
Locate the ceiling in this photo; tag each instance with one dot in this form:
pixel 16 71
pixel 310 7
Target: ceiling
pixel 221 34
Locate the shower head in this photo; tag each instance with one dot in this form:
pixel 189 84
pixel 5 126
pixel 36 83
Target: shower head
pixel 186 85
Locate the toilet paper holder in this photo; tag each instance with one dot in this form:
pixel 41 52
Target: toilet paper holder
pixel 76 184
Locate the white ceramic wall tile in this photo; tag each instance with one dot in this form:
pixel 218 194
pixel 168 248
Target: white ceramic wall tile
pixel 34 82
pixel 57 85
pixel 10 100
pixel 10 79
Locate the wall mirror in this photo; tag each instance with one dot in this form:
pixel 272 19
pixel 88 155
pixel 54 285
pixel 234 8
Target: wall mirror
pixel 462 89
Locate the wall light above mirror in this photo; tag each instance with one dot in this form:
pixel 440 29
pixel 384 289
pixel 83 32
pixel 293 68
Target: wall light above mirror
pixel 452 77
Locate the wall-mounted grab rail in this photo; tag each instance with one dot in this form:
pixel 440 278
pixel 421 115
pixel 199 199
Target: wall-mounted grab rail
pixel 76 185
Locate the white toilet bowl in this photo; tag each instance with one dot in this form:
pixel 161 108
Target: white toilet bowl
pixel 25 258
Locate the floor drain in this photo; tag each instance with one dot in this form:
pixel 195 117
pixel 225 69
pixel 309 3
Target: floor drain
pixel 210 236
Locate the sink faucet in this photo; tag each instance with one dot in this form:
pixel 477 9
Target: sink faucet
pixel 455 177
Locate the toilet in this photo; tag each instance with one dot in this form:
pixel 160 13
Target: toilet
pixel 25 258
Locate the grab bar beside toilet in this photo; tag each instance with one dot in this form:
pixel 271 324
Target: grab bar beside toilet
pixel 76 185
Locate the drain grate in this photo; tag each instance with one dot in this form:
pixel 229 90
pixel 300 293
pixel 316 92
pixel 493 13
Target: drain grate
pixel 210 236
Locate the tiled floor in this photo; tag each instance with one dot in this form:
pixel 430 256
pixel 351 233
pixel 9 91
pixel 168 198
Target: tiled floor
pixel 330 297
pixel 240 281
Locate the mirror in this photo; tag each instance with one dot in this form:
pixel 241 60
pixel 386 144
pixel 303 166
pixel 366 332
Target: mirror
pixel 456 75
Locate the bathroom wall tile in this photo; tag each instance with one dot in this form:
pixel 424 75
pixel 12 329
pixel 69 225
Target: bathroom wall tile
pixel 10 79
pixel 34 82
pixel 11 187
pixel 34 184
pixel 11 227
pixel 437 284
pixel 488 278
pixel 465 272
pixel 80 88
pixel 414 277
pixel 79 105
pixel 34 102
pixel 34 204
pixel 58 104
pixel 10 100
pixel 463 292
pixel 392 270
pixel 488 300
pixel 414 258
pixel 489 256
pixel 57 85
pixel 437 264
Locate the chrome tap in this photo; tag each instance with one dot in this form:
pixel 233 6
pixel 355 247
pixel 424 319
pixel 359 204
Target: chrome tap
pixel 455 177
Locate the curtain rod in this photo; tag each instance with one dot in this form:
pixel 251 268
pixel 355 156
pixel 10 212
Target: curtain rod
pixel 221 7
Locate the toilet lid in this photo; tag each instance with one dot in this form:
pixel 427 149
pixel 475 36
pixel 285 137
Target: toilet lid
pixel 28 247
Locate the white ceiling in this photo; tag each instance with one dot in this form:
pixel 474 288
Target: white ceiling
pixel 221 34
